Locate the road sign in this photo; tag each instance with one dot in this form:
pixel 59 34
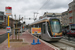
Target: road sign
pixel 8 29
pixel 8 10
pixel 36 30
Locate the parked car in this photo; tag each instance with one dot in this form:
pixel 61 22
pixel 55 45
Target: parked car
pixel 65 31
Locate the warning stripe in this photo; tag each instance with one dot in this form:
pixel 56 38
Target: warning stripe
pixel 8 7
pixel 8 13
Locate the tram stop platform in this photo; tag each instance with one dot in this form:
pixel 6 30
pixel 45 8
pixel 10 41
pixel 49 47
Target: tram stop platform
pixel 26 44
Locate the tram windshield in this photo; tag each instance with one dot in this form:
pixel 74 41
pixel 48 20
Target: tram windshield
pixel 72 27
pixel 55 25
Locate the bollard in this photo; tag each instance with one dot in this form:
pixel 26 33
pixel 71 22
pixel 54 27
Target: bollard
pixel 33 42
pixel 38 41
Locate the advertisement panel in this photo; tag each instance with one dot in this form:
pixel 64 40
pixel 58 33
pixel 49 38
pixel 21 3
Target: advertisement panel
pixel 36 30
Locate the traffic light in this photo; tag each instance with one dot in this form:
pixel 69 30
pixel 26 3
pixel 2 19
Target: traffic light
pixel 35 19
pixel 24 22
pixel 29 18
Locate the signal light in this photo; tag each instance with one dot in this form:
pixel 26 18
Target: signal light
pixel 23 27
pixel 54 36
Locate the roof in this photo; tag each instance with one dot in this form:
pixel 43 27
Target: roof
pixel 52 13
pixel 43 19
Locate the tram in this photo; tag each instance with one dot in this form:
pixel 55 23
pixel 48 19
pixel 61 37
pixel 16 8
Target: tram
pixel 50 28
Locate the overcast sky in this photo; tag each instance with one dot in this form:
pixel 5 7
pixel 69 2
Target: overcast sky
pixel 26 8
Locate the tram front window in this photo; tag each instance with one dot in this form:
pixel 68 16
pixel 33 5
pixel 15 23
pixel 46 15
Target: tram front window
pixel 55 25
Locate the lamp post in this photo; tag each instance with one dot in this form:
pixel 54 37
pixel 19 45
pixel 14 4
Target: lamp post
pixel 34 16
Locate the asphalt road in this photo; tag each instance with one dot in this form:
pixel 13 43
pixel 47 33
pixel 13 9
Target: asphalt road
pixel 3 37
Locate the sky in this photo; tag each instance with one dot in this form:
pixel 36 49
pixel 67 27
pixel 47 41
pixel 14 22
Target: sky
pixel 26 8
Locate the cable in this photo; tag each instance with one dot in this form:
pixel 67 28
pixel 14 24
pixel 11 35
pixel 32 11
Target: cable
pixel 43 5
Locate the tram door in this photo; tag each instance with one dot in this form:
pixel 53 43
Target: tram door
pixel 43 30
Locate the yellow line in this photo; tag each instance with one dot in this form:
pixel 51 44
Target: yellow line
pixel 8 41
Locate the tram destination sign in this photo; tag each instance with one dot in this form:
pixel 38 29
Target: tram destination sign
pixel 54 19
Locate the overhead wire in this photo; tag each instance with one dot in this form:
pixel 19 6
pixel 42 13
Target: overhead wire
pixel 43 5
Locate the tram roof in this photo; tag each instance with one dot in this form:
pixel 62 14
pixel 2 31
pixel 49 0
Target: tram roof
pixel 38 21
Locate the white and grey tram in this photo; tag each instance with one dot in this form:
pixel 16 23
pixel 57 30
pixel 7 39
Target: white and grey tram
pixel 50 28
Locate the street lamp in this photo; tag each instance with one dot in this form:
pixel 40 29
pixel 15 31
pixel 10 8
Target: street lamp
pixel 36 15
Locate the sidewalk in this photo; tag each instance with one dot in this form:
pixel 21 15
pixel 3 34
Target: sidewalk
pixel 26 44
pixel 2 31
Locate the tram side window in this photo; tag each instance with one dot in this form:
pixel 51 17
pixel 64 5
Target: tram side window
pixel 44 28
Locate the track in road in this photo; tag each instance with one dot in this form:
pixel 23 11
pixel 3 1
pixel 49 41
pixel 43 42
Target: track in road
pixel 3 37
pixel 63 45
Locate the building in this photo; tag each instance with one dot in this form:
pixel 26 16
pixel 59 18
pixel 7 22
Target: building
pixel 58 15
pixel 72 12
pixel 65 18
pixel 1 16
pixel 5 23
pixel 4 20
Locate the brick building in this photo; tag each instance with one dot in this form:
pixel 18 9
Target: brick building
pixel 65 18
pixel 72 12
pixel 5 23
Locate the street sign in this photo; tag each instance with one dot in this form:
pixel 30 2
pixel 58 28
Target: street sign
pixel 8 10
pixel 8 28
pixel 36 30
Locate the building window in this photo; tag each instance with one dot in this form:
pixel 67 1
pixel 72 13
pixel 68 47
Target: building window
pixel 66 13
pixel 70 8
pixel 63 14
pixel 71 20
pixel 70 15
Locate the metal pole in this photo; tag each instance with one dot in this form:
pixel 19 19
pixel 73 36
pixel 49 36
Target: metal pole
pixel 22 25
pixel 12 28
pixel 33 34
pixel 8 34
pixel 38 34
pixel 34 16
pixel 15 29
